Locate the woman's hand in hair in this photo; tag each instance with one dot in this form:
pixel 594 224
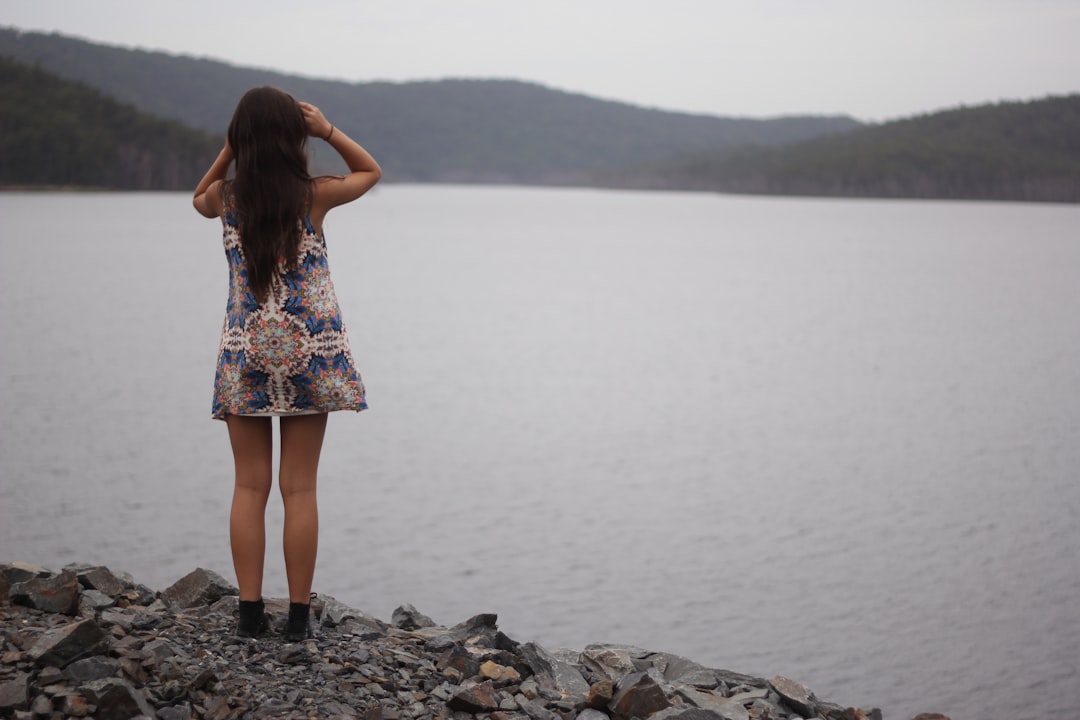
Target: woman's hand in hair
pixel 329 192
pixel 317 124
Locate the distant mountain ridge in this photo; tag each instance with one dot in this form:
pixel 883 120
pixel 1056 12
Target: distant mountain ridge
pixel 507 131
pixel 448 130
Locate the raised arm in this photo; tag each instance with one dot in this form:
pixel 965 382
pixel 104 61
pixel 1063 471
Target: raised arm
pixel 364 172
pixel 207 198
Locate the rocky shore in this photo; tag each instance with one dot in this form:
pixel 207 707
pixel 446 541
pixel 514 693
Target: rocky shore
pixel 90 642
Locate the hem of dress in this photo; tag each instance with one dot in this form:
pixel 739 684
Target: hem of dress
pixel 287 413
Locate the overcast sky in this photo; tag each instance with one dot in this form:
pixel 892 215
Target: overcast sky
pixel 874 59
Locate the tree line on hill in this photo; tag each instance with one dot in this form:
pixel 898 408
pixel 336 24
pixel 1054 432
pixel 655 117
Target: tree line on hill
pixel 438 131
pixel 1026 151
pixel 79 113
pixel 55 132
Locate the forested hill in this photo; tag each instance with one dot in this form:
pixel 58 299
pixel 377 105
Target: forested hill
pixel 450 130
pixel 56 132
pixel 1028 151
pixel 99 125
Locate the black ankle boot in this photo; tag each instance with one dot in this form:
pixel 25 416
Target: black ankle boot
pixel 252 619
pixel 297 628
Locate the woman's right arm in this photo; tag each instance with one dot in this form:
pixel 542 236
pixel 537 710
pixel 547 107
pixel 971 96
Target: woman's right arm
pixel 364 172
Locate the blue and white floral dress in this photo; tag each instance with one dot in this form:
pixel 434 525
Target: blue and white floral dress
pixel 289 355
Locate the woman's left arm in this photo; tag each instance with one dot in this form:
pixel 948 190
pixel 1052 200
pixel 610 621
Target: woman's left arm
pixel 207 198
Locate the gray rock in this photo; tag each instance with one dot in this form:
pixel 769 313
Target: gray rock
pixel 96 599
pixel 121 617
pixel 530 688
pixel 145 620
pixel 436 638
pixel 49 676
pixel 795 695
pixel 479 630
pixel 17 572
pixel 218 708
pixel 683 712
pixel 15 693
pixel 738 682
pixel 102 579
pixel 726 708
pixel 158 650
pixel 678 669
pixel 174 713
pixel 552 673
pixel 475 698
pixel 750 695
pixel 92 668
pixel 536 711
pixel 198 587
pixel 335 613
pixel 142 595
pixel 567 655
pixel 590 714
pixel 56 594
pixel 600 694
pixel 226 606
pixel 500 674
pixel 930 716
pixel 459 659
pixel 764 707
pixel 116 699
pixel 206 678
pixel 638 695
pixel 41 706
pixel 63 645
pixel 408 617
pixel 610 661
pixel 362 628
pixel 75 705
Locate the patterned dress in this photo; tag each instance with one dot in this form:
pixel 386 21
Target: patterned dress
pixel 289 356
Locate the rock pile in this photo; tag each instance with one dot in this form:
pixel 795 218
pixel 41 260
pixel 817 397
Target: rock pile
pixel 88 642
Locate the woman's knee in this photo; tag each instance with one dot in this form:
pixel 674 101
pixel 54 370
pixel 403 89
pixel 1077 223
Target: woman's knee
pixel 254 481
pixel 301 446
pixel 252 446
pixel 291 484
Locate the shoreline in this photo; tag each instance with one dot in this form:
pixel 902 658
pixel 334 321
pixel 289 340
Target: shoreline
pixel 88 642
pixel 44 189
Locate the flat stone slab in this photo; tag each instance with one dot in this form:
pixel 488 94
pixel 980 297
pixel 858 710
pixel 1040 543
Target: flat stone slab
pixel 796 695
pixel 62 646
pixel 15 693
pixel 57 593
pixel 198 587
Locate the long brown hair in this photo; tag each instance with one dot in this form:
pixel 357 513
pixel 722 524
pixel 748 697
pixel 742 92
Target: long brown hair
pixel 272 188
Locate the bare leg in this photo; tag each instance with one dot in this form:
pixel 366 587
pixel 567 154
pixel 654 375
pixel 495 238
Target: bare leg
pixel 301 444
pixel 253 447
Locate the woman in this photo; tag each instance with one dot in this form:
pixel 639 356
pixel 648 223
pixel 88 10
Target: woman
pixel 284 351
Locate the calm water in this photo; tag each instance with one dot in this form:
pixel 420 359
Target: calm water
pixel 834 440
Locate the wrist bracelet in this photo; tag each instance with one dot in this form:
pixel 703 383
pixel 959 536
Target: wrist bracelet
pixel 329 134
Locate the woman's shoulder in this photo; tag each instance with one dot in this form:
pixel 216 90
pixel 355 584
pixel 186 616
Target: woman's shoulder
pixel 323 188
pixel 321 182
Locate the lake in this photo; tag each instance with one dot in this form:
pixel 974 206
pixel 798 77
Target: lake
pixel 835 440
